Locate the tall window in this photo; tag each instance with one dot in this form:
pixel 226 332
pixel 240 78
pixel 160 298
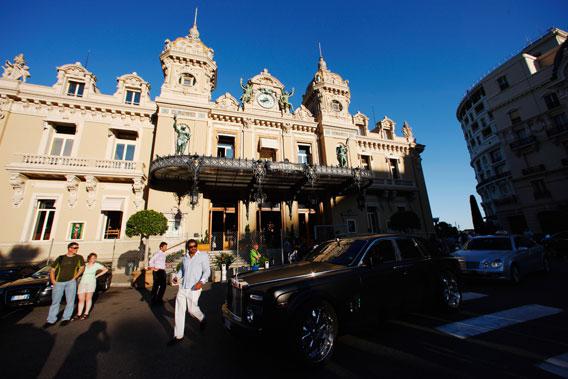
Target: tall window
pixel 62 142
pixel 226 147
pixel 124 151
pixel 560 120
pixel 365 162
pixel 112 222
pixel 539 188
pixel 75 88
pixel 496 156
pixel 394 168
pixel 372 219
pixel 44 215
pixel 304 155
pixel 514 117
pixel 551 101
pixel 132 97
pixel 503 82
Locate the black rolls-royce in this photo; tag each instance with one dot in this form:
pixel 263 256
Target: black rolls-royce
pixel 340 282
pixel 36 289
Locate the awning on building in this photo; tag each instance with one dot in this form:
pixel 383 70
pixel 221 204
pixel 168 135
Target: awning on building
pixel 112 204
pixel 224 179
pixel 268 143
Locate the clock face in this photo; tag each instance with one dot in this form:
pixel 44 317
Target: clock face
pixel 265 100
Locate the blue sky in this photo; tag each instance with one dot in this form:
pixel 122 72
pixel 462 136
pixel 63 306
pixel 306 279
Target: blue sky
pixel 409 60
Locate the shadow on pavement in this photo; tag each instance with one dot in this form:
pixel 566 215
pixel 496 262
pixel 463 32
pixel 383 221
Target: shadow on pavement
pixel 19 358
pixel 82 359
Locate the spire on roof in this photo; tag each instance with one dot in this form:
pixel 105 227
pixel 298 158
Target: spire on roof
pixel 193 32
pixel 321 64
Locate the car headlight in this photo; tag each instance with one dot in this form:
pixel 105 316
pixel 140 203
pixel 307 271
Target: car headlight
pixel 497 263
pixel 250 315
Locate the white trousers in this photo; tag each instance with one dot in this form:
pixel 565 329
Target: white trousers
pixel 186 300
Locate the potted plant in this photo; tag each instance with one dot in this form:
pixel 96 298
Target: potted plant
pixel 222 259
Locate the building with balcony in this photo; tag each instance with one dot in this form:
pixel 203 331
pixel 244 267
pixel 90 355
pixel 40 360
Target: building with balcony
pixel 515 123
pixel 77 163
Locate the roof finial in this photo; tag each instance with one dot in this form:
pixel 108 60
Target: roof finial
pixel 321 64
pixel 193 32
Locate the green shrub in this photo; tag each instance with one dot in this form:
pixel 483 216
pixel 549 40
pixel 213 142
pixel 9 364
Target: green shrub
pixel 223 259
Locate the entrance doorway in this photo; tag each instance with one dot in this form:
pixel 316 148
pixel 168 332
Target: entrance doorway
pixel 270 228
pixel 223 226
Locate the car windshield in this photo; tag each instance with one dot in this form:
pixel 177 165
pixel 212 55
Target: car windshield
pixel 489 244
pixel 42 273
pixel 341 252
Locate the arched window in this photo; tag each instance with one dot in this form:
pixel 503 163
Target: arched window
pixel 336 106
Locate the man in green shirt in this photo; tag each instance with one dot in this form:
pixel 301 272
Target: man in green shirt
pixel 63 276
pixel 254 256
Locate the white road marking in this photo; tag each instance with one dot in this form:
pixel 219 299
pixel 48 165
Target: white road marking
pixel 472 296
pixel 487 323
pixel 557 365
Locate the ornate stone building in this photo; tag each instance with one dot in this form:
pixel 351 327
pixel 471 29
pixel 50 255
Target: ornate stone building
pixel 515 122
pixel 78 163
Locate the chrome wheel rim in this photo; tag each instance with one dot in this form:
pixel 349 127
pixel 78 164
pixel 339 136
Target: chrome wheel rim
pixel 451 291
pixel 317 334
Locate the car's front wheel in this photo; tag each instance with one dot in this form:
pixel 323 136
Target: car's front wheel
pixel 450 292
pixel 515 275
pixel 314 331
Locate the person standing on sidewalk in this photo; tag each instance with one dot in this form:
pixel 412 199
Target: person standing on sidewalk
pixel 158 267
pixel 63 275
pixel 191 277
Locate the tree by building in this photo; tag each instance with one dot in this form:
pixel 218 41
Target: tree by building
pixel 145 224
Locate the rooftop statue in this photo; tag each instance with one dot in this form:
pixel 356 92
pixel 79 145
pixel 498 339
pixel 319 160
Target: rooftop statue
pixel 284 101
pixel 407 131
pixel 183 136
pixel 247 93
pixel 17 70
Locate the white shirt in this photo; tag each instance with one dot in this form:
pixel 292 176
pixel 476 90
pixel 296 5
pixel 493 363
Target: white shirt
pixel 193 270
pixel 158 260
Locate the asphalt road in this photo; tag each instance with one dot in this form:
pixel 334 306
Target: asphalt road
pixel 126 338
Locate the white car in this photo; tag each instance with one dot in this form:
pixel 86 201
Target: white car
pixel 507 257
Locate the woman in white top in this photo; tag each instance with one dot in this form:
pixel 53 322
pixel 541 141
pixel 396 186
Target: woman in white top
pixel 88 285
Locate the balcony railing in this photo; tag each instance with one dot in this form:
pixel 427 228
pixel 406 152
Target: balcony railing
pixel 534 169
pixel 494 177
pixel 29 163
pixel 511 199
pixel 523 142
pixel 542 195
pixel 557 129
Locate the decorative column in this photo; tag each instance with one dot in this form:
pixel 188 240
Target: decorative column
pixel 91 187
pixel 73 188
pixel 138 189
pixel 18 184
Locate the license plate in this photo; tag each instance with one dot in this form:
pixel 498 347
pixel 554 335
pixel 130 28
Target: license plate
pixel 20 297
pixel 227 324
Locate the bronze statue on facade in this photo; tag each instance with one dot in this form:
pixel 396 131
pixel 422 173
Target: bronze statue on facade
pixel 284 101
pixel 341 151
pixel 247 92
pixel 183 136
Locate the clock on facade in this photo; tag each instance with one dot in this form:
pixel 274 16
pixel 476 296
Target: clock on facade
pixel 265 100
